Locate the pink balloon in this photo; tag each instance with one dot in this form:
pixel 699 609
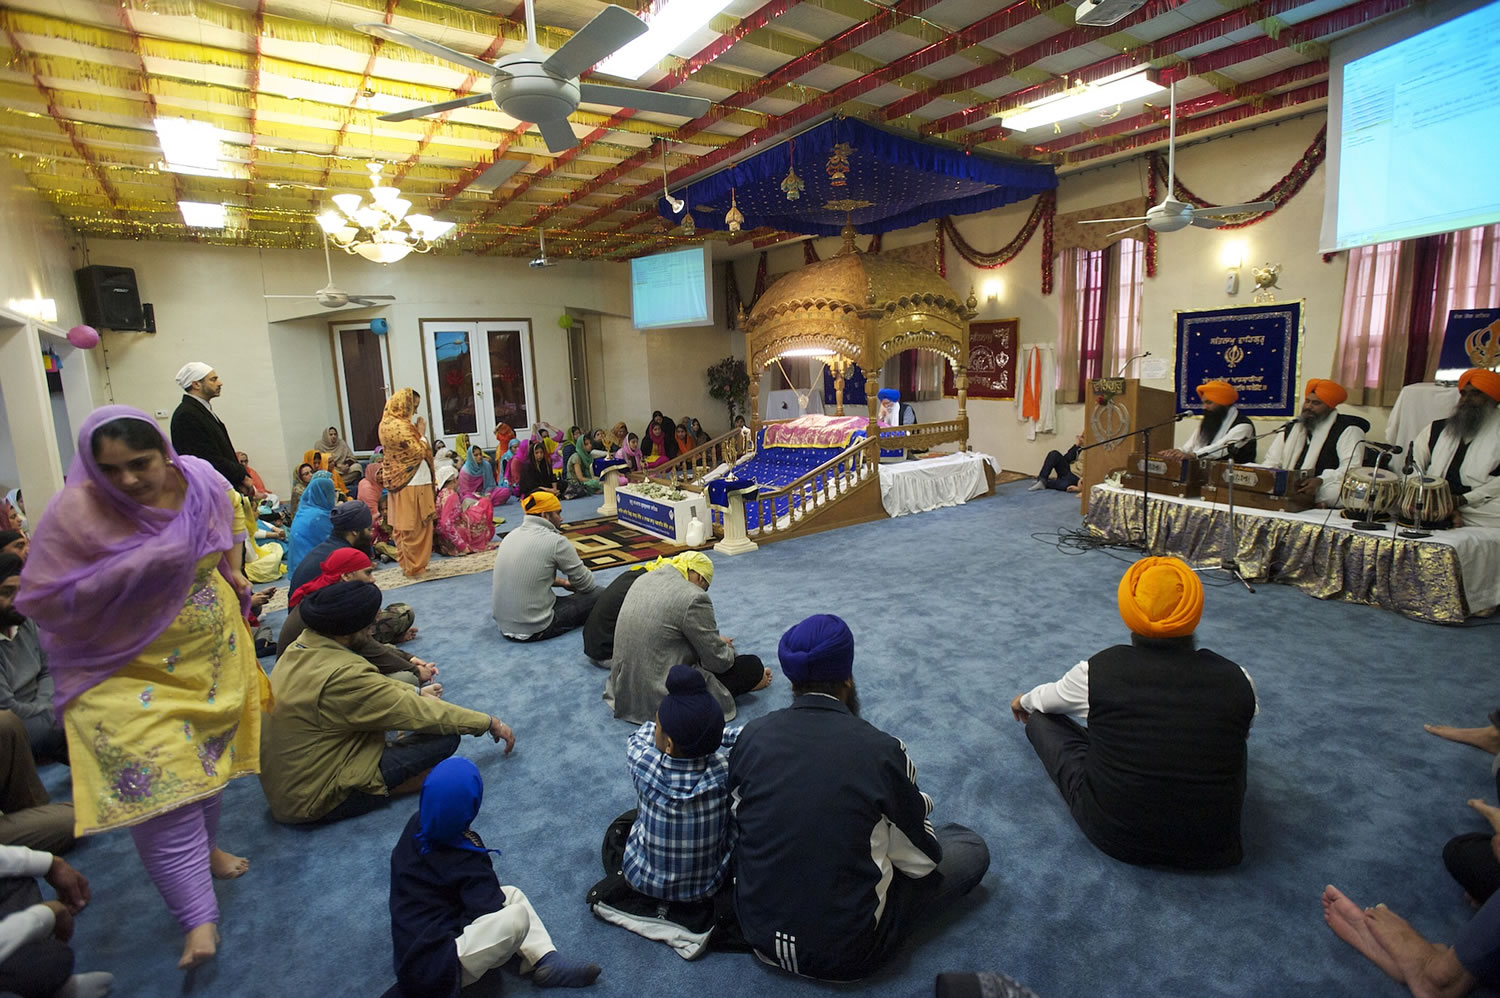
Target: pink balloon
pixel 84 337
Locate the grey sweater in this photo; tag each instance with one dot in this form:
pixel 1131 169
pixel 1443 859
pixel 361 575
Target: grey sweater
pixel 528 561
pixel 25 683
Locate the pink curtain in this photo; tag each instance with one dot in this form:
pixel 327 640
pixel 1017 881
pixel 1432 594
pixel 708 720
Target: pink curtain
pixel 1070 306
pixel 1468 276
pixel 1370 358
pixel 1122 315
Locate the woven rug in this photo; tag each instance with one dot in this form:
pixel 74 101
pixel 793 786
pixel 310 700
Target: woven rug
pixel 602 542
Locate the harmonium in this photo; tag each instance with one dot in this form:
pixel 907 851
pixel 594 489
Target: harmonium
pixel 1170 476
pixel 1259 488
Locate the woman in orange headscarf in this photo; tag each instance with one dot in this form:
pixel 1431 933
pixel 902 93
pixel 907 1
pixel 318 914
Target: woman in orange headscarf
pixel 319 462
pixel 406 471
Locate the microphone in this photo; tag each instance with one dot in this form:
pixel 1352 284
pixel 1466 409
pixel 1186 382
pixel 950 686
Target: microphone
pixel 1386 448
pixel 1126 366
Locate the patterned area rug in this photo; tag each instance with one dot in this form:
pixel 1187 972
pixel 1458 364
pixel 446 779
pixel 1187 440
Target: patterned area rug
pixel 602 542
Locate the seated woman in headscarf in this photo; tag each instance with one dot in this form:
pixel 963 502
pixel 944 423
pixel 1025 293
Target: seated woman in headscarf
pixel 451 921
pixel 299 483
pixel 337 455
pixel 684 438
pixel 476 476
pixel 263 562
pixel 630 453
pixel 465 523
pixel 310 527
pixel 533 470
pixel 506 463
pixel 659 446
pixel 618 435
pixel 550 438
pixel 580 480
pixel 320 463
pixel 699 433
pixel 503 436
pixel 370 489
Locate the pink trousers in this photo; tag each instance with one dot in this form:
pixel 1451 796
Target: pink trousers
pixel 174 848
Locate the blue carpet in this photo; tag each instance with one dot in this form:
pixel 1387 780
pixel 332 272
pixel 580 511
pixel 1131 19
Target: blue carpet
pixel 954 612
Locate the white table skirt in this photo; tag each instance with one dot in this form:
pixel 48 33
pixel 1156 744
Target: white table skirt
pixel 919 486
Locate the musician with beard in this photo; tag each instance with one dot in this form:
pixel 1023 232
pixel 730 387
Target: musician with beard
pixel 1321 440
pixel 1464 449
pixel 1224 433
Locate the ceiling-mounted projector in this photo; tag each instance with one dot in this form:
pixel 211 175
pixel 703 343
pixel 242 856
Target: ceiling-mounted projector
pixel 1101 13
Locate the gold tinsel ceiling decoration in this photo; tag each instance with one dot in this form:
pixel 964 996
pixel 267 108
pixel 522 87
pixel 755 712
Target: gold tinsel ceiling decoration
pixel 297 91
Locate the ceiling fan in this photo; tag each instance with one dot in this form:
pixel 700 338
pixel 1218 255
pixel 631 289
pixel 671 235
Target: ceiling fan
pixel 1171 215
pixel 531 85
pixel 541 260
pixel 332 297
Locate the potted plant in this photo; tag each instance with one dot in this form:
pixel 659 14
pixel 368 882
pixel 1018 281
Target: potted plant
pixel 729 383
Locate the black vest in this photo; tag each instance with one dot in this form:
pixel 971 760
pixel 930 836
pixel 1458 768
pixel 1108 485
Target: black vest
pixel 1164 778
pixel 1328 457
pixel 1242 453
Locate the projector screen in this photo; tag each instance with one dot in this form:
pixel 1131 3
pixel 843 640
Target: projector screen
pixel 1414 129
pixel 672 289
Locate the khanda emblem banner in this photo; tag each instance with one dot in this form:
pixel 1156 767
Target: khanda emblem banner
pixel 1472 339
pixel 993 351
pixel 1256 348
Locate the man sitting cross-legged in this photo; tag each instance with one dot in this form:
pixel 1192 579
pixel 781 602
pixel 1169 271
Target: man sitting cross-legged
pixel 527 566
pixel 667 619
pixel 1429 970
pixel 324 755
pixel 1158 776
pixel 836 860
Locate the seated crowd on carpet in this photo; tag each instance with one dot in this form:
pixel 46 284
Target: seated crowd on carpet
pixel 801 837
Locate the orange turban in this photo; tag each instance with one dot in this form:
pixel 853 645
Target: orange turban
pixel 1161 598
pixel 541 502
pixel 1219 392
pixel 1330 393
pixel 1486 381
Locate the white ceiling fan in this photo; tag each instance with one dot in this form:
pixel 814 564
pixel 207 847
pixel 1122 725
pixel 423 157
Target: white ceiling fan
pixel 541 260
pixel 332 297
pixel 531 85
pixel 1171 214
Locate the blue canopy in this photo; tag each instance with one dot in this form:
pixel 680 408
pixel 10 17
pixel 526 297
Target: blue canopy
pixel 891 182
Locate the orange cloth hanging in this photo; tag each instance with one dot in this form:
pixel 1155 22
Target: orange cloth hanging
pixel 1031 397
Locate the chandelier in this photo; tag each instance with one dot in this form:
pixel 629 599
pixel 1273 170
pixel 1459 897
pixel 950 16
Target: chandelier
pixel 381 231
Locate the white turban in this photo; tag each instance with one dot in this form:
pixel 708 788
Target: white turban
pixel 191 372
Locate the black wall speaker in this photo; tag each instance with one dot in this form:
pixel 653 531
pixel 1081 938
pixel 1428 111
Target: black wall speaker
pixel 109 298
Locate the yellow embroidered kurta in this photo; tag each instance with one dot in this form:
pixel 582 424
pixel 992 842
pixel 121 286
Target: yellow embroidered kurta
pixel 263 562
pixel 175 724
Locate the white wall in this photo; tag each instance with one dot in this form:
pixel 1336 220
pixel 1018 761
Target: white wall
pixel 1189 272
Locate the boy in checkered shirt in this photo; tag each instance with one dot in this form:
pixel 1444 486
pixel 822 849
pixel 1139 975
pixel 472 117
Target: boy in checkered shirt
pixel 679 846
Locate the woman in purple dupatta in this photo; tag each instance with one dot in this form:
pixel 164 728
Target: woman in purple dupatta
pixel 135 582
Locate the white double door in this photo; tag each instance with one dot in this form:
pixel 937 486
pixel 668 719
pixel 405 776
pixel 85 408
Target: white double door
pixel 479 374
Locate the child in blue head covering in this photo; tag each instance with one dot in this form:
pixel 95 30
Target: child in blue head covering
pixel 451 921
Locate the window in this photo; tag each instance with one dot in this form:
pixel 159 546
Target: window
pixel 363 371
pixel 1100 328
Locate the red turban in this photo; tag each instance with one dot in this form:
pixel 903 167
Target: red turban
pixel 1486 381
pixel 335 567
pixel 1330 393
pixel 1218 392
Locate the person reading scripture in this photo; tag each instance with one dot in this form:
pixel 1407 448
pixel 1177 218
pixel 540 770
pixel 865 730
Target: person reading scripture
pixel 527 566
pixel 451 920
pixel 35 961
pixel 1224 433
pixel 407 473
pixel 1464 449
pixel 324 747
pixel 1321 440
pixel 836 860
pixel 197 430
pixel 25 682
pixel 1158 776
pixel 667 619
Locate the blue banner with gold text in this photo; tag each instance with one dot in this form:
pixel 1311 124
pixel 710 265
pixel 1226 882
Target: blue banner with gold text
pixel 1253 347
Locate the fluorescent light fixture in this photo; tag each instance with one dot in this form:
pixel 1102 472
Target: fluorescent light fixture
pixel 1131 85
pixel 670 24
pixel 190 146
pixel 202 215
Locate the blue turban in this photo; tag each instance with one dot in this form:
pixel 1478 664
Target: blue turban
pixel 451 796
pixel 888 395
pixel 818 650
pixel 690 715
pixel 351 515
pixel 341 609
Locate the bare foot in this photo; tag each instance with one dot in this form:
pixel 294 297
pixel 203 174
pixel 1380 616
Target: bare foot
pixel 1347 920
pixel 765 681
pixel 1490 812
pixel 1410 951
pixel 201 944
pixel 1487 737
pixel 1072 488
pixel 227 866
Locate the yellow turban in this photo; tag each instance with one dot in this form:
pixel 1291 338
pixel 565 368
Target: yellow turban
pixel 694 561
pixel 1220 392
pixel 1486 381
pixel 1161 598
pixel 541 502
pixel 1330 393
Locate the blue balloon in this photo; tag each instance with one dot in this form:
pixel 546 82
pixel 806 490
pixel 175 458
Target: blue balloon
pixel 379 327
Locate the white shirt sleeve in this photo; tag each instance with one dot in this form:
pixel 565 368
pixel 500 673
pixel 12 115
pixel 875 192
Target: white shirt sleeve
pixel 1069 695
pixel 1333 479
pixel 35 922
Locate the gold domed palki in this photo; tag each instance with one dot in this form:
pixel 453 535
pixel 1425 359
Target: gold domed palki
pixel 864 309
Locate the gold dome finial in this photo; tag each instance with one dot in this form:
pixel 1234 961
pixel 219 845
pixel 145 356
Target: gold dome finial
pixel 848 235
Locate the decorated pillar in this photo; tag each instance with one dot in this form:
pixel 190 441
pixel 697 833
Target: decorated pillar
pixel 961 382
pixel 872 435
pixel 840 365
pixel 612 476
pixel 736 538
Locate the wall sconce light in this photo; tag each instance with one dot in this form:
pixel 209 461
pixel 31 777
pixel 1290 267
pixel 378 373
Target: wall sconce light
pixel 994 290
pixel 1233 258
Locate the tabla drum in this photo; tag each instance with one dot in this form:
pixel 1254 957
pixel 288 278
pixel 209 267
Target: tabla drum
pixel 1426 503
pixel 1370 493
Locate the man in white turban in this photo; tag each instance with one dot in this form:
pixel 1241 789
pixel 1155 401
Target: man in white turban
pixel 197 430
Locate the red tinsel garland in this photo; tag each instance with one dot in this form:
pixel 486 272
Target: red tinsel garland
pixel 942 250
pixel 760 279
pixel 1151 195
pixel 1280 192
pixel 1047 219
pixel 1042 214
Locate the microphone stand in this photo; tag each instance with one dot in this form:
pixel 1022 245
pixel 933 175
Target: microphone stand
pixel 1227 559
pixel 1145 433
